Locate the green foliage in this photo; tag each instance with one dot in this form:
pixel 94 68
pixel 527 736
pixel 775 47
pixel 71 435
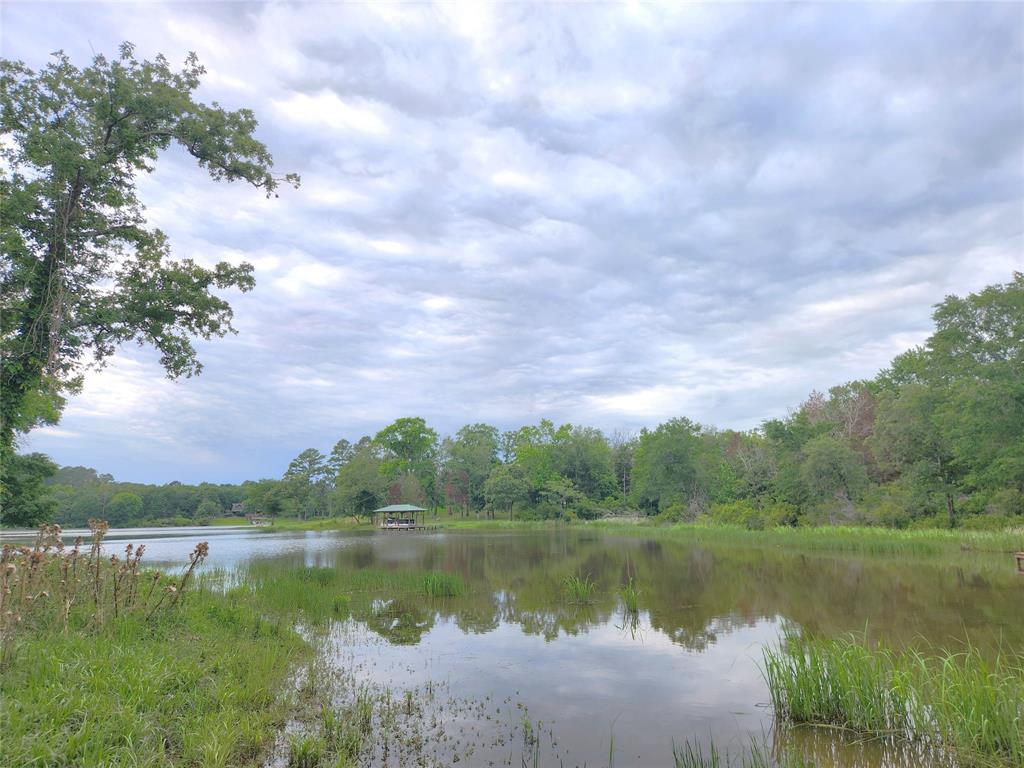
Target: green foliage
pixel 83 274
pixel 579 589
pixel 666 468
pixel 24 499
pixel 959 700
pixel 443 584
pixel 933 441
pixel 505 487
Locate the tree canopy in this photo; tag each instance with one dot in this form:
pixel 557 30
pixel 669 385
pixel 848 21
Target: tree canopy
pixel 82 273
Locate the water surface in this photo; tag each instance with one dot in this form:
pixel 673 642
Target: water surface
pixel 587 675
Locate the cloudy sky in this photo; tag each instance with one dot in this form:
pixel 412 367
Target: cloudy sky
pixel 605 214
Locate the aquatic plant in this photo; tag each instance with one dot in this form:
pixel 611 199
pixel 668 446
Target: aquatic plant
pixel 962 700
pixel 306 751
pixel 442 584
pixel 580 589
pixel 691 754
pixel 630 598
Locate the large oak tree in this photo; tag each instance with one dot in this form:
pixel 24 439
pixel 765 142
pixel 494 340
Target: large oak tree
pixel 81 272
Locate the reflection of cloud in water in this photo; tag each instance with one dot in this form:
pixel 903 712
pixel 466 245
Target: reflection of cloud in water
pixel 584 682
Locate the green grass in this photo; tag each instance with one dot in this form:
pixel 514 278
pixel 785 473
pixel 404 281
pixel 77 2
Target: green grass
pixel 962 701
pixel 692 754
pixel 194 686
pixel 630 598
pixel 579 589
pixel 189 670
pixel 441 584
pixel 837 539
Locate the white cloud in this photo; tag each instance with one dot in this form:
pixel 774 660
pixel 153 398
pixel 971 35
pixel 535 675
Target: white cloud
pixel 607 214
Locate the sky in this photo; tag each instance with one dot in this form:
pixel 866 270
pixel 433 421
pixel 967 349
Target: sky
pixel 603 214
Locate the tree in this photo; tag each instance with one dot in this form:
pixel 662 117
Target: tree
pixel 472 455
pixel 340 454
pixel 360 486
pixel 833 474
pixel 307 478
pixel 583 456
pixel 124 508
pixel 623 452
pixel 208 508
pixel 24 500
pixel 81 272
pixel 505 487
pixel 409 445
pixel 665 466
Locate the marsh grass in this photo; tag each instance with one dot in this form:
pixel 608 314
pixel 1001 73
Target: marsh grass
pixel 630 595
pixel 579 589
pixel 958 700
pixel 692 754
pixel 442 584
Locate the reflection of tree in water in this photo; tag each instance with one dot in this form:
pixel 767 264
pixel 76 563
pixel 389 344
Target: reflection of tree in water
pixel 694 592
pixel 400 621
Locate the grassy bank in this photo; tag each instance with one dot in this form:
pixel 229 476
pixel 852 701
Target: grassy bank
pixel 960 701
pixel 851 539
pixel 105 663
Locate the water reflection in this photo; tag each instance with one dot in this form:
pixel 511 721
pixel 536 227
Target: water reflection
pixel 686 664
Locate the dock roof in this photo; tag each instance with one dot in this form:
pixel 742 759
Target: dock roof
pixel 400 508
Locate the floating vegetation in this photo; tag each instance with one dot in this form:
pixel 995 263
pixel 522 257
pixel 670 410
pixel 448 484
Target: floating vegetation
pixel 960 701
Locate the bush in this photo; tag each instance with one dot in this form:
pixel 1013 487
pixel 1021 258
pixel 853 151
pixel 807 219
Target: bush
pixel 888 514
pixel 987 523
pixel 1008 501
pixel 588 510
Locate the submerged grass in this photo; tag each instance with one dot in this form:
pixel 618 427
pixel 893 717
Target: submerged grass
pixel 961 701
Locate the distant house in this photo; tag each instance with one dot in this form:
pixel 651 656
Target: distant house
pixel 238 508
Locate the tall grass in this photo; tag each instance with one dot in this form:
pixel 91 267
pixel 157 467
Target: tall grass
pixel 691 754
pixel 579 589
pixel 630 598
pixel 839 539
pixel 961 701
pixel 442 584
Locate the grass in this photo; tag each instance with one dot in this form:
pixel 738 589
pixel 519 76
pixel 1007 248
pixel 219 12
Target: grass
pixel 691 754
pixel 960 701
pixel 442 584
pixel 579 589
pixel 836 539
pixel 194 685
pixel 630 598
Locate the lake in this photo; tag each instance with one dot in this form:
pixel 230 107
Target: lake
pixel 519 664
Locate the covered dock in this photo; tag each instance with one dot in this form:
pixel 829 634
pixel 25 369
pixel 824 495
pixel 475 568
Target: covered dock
pixel 400 517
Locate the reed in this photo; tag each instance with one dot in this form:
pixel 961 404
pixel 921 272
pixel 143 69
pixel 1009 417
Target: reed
pixel 957 700
pixel 630 598
pixel 579 589
pixel 442 584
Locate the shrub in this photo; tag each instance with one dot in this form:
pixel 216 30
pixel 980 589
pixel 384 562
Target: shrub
pixel 987 523
pixel 1008 501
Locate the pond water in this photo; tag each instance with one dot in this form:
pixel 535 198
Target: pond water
pixel 587 676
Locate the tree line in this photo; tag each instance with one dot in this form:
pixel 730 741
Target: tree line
pixel 936 438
